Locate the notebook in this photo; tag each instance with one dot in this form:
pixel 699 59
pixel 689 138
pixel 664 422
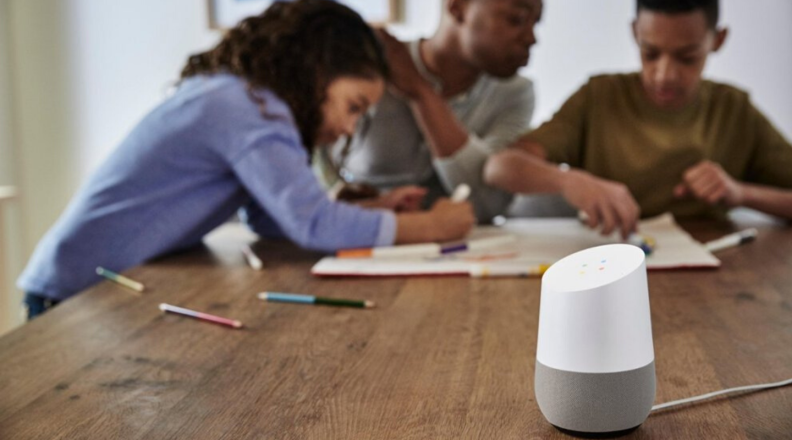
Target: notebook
pixel 536 242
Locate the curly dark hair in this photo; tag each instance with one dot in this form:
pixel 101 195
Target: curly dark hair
pixel 296 49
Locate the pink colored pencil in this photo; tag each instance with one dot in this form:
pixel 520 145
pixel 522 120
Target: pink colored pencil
pixel 198 315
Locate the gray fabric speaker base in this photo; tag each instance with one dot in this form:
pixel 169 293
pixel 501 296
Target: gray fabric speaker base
pixel 595 402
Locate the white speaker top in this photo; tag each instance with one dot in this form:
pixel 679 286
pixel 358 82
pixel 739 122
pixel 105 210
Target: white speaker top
pixel 594 267
pixel 594 313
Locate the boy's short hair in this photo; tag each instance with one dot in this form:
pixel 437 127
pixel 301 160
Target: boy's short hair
pixel 710 8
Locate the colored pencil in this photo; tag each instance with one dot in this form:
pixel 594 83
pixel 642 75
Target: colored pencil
pixel 120 279
pixel 487 271
pixel 199 315
pixel 310 299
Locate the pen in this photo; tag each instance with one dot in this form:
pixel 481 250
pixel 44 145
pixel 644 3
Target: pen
pixel 731 240
pixel 251 257
pixel 310 299
pixel 120 279
pixel 199 315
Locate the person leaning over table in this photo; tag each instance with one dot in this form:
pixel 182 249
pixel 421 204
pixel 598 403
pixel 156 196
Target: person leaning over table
pixel 453 100
pixel 238 132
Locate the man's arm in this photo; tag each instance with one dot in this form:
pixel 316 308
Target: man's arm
pixel 458 155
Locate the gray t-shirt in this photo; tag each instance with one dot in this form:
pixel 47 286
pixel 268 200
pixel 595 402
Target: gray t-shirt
pixel 389 149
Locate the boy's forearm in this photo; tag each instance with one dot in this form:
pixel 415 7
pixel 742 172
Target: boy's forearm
pixel 769 200
pixel 520 172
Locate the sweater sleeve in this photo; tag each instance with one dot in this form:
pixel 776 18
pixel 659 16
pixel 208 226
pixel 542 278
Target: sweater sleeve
pixel 563 135
pixel 275 172
pixel 771 161
pixel 509 120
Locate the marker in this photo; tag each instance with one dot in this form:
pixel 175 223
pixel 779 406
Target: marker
pixel 426 250
pixel 251 257
pixel 485 271
pixel 732 240
pixel 409 250
pixel 647 244
pixel 198 315
pixel 461 193
pixel 120 279
pixel 310 299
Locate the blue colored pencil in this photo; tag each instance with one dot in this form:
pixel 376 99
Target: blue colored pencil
pixel 310 299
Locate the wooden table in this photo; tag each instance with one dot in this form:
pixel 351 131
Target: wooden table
pixel 438 358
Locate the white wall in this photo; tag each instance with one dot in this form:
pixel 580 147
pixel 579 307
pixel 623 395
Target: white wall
pixel 580 38
pixel 82 72
pixel 6 138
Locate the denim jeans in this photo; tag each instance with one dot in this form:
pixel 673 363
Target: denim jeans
pixel 38 304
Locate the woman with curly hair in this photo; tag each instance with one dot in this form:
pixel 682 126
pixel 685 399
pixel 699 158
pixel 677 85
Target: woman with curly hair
pixel 238 133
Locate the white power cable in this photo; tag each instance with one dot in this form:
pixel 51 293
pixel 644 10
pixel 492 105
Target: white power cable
pixel 718 393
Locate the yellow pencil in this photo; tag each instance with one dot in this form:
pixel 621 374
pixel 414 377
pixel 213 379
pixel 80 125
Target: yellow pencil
pixel 120 279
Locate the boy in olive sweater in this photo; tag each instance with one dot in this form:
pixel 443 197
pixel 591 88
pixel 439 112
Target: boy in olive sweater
pixel 660 140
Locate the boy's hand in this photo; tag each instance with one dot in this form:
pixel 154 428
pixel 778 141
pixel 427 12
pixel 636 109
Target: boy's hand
pixel 708 182
pixel 405 76
pixel 607 204
pixel 451 220
pixel 403 199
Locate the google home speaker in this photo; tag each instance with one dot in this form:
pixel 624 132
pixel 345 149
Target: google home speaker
pixel 595 371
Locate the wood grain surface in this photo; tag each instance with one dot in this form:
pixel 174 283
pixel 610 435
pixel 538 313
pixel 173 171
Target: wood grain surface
pixel 439 358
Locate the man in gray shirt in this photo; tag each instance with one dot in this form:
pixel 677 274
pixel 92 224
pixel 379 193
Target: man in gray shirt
pixel 454 100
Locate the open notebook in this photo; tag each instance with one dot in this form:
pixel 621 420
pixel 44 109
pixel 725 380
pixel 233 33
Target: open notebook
pixel 536 241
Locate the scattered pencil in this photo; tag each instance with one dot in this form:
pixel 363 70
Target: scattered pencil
pixel 310 299
pixel 120 279
pixel 199 315
pixel 251 257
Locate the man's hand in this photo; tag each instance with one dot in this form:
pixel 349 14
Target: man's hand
pixel 605 203
pixel 708 182
pixel 405 77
